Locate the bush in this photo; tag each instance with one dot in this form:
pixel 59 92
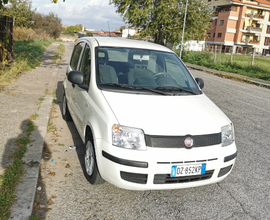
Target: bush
pixel 49 25
pixel 72 29
pixel 42 34
pixel 24 34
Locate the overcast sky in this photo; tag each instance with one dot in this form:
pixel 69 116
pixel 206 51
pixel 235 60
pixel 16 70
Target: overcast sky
pixel 92 14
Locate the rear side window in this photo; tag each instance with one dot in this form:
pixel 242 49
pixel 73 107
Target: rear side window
pixel 75 56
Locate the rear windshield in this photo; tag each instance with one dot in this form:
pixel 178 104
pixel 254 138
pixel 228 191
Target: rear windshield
pixel 127 68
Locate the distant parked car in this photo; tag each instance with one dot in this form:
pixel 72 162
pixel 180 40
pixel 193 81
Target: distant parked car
pixel 144 120
pixel 258 54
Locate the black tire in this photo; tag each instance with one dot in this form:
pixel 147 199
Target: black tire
pixel 91 172
pixel 65 112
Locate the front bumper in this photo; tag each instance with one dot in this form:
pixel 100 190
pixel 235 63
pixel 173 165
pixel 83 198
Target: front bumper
pixel 150 170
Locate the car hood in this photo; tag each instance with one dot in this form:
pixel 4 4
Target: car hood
pixel 167 115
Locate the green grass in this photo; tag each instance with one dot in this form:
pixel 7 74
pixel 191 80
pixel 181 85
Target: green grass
pixel 34 117
pixel 30 127
pixel 241 63
pixel 33 218
pixel 13 174
pixel 27 55
pixel 59 53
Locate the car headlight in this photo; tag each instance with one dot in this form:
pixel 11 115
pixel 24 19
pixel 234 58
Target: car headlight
pixel 227 133
pixel 129 138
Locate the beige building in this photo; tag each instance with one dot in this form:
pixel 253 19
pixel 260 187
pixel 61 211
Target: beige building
pixel 240 24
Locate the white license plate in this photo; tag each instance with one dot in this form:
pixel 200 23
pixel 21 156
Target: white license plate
pixel 188 170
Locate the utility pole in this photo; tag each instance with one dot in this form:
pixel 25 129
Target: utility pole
pixel 183 30
pixel 109 28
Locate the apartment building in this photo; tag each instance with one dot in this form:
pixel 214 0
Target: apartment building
pixel 240 24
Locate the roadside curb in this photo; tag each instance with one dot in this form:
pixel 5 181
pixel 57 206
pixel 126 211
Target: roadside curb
pixel 246 79
pixel 26 189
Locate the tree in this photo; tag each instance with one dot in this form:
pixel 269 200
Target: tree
pixel 21 11
pixel 50 24
pixel 3 2
pixel 163 19
pixel 72 29
pixel 79 26
pixel 53 25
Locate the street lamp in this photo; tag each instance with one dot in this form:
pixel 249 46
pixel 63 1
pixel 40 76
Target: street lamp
pixel 183 30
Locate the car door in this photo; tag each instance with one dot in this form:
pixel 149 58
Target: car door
pixel 81 93
pixel 70 88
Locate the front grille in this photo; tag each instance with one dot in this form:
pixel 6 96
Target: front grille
pixel 167 179
pixel 178 141
pixel 134 177
pixel 190 161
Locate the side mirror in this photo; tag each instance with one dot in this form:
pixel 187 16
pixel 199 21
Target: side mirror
pixel 76 77
pixel 200 82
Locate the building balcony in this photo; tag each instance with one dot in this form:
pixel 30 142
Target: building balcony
pixel 231 11
pixel 248 41
pixel 253 29
pixel 258 16
pixel 215 13
pixel 252 16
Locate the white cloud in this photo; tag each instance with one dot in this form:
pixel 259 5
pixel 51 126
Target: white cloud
pixel 93 14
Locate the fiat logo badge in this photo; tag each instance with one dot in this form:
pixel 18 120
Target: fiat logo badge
pixel 188 142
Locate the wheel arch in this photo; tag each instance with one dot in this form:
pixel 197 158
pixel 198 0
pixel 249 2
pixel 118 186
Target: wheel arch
pixel 89 133
pixel 88 130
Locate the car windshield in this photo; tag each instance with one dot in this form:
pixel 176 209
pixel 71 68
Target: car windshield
pixel 130 69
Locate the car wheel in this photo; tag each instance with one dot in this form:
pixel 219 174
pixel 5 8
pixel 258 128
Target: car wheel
pixel 65 112
pixel 90 164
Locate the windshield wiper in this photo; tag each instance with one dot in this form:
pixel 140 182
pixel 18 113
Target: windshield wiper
pixel 152 90
pixel 117 85
pixel 133 87
pixel 173 88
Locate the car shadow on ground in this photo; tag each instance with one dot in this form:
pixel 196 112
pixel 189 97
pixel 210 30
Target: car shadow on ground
pixel 75 135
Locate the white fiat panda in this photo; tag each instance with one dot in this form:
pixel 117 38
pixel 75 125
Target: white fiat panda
pixel 143 118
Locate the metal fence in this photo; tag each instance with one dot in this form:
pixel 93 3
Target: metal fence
pixel 6 39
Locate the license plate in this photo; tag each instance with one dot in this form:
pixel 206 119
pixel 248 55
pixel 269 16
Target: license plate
pixel 188 170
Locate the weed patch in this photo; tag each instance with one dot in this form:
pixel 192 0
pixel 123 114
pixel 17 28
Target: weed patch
pixel 34 117
pixel 59 53
pixel 12 174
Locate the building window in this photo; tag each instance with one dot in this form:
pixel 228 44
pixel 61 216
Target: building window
pixel 215 22
pixel 267 41
pixel 268 29
pixel 221 22
pixel 209 0
pixel 214 34
pixel 219 35
pixel 208 35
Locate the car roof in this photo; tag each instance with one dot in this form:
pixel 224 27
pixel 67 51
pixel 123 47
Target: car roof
pixel 126 43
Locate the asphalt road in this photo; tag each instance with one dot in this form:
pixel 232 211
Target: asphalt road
pixel 245 194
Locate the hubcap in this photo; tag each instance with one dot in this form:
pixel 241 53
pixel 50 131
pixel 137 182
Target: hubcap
pixel 89 158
